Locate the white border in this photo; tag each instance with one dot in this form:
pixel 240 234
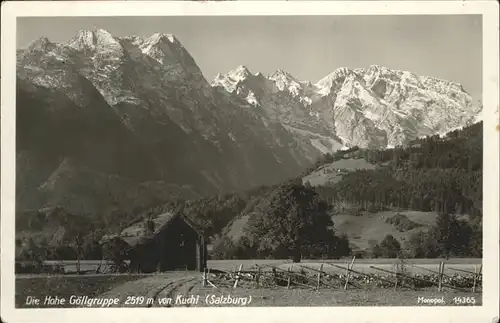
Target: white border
pixel 485 313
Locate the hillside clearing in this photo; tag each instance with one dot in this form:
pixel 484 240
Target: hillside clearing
pixel 373 227
pixel 359 229
pixel 333 172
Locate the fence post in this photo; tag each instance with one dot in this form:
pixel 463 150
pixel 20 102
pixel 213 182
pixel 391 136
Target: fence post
pixel 475 279
pixel 289 277
pixel 476 276
pixel 348 271
pixel 207 279
pixel 441 274
pixel 479 273
pixel 238 276
pixel 346 275
pixel 204 277
pixel 319 277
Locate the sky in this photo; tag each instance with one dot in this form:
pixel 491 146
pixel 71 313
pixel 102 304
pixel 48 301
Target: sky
pixel 308 47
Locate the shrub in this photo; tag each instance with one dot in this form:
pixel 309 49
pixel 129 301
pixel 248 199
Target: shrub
pixel 390 247
pixel 402 223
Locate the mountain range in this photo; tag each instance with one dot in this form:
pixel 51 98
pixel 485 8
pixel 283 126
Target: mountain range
pixel 106 123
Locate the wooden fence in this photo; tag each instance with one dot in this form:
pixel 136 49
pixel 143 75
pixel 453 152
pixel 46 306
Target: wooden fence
pixel 345 277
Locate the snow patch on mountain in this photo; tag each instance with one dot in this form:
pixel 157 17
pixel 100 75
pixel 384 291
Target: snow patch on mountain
pixel 326 84
pixel 286 82
pixel 92 39
pixel 252 99
pixel 158 46
pixel 230 80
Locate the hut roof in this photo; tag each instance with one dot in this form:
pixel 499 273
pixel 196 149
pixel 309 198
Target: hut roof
pixel 135 233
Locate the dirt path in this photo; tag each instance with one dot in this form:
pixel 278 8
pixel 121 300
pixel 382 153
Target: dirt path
pixel 138 292
pixel 180 288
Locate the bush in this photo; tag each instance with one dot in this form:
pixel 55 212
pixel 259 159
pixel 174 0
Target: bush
pixel 115 250
pixel 389 247
pixel 402 223
pixel 360 254
pixel 449 237
pixel 223 248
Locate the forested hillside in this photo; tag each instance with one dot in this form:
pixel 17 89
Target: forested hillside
pixel 442 175
pixel 432 174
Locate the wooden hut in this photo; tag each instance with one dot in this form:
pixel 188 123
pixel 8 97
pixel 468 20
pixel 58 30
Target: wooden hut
pixel 174 242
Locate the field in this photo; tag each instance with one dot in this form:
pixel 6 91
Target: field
pixel 361 229
pixel 185 284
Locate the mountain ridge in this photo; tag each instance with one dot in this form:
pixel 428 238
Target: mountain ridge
pixel 388 96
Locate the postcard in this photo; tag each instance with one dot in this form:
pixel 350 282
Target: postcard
pixel 225 161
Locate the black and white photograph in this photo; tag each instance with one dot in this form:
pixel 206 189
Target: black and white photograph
pixel 181 159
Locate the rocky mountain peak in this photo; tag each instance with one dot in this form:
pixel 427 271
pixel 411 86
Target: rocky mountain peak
pixel 167 50
pixel 94 39
pixel 336 77
pixel 285 81
pixel 160 43
pixel 239 73
pixel 282 75
pixel 377 67
pixel 41 44
pixel 161 38
pixel 233 79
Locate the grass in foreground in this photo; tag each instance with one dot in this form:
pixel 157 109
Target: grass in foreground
pixel 65 287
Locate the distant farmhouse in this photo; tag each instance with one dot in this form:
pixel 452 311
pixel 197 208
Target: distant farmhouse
pixel 169 241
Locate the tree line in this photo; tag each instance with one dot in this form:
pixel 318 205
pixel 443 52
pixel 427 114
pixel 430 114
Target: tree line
pixel 448 237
